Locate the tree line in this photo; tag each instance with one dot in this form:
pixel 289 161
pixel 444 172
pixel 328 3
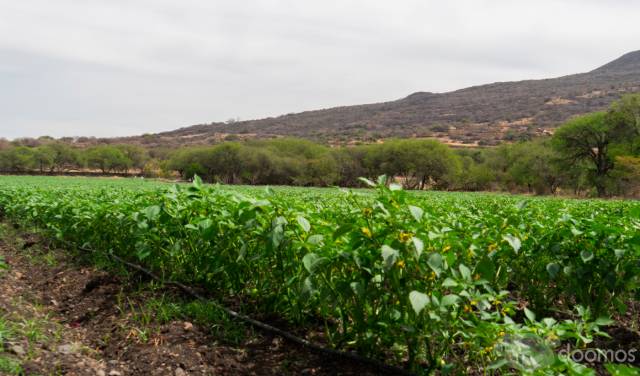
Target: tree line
pixel 57 157
pixel 596 154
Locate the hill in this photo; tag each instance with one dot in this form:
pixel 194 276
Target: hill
pixel 485 115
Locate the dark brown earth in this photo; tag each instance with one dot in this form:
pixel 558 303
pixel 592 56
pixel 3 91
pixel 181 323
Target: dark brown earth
pixel 73 319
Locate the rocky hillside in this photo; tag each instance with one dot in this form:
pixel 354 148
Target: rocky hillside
pixel 484 115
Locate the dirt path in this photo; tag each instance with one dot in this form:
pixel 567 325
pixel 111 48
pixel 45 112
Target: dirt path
pixel 58 317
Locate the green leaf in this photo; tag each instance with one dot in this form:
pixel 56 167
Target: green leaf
pixel 304 223
pixel 419 245
pixel 367 182
pixel 389 255
pixel 465 272
pixel 315 239
pixel 486 268
pixel 521 205
pixel 604 321
pixel 312 261
pixel 578 369
pixel 448 300
pixel 307 287
pixel 553 268
pixel 530 315
pixel 435 262
pixel 416 212
pixel 586 256
pixel 207 229
pixel 620 305
pixel 567 270
pixel 513 241
pixel 622 370
pixel 343 229
pixel 152 212
pixel 498 364
pixel 448 282
pixel 418 301
pixel 357 288
pixel 277 236
pixel 197 182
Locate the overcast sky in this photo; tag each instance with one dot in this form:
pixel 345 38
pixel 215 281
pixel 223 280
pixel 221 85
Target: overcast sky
pixel 126 67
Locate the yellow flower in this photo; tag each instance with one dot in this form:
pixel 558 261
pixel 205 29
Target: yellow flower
pixel 446 248
pixel 367 211
pixel 474 302
pixel 501 334
pixel 432 276
pixel 467 308
pixel 400 264
pixel 488 349
pixel 405 236
pixel 366 232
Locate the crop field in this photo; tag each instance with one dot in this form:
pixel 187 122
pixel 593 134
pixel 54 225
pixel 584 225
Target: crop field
pixel 447 283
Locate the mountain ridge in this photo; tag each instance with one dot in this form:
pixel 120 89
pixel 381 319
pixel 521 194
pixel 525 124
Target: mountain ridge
pixel 477 115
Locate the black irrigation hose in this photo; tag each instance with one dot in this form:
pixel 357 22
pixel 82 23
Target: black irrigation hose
pixel 255 323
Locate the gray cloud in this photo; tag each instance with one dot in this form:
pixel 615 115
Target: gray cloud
pixel 115 67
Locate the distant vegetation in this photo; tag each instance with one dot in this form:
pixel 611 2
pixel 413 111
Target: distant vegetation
pixel 595 154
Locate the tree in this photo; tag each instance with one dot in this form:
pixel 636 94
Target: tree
pixel 43 157
pixel 588 138
pixel 223 162
pixel 473 175
pixel 107 159
pixel 627 172
pixel 136 154
pixel 16 159
pixel 625 116
pixel 418 162
pixel 351 165
pixel 188 162
pixel 534 165
pixel 65 157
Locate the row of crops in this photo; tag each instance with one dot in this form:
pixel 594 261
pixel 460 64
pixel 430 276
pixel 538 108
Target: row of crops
pixel 448 282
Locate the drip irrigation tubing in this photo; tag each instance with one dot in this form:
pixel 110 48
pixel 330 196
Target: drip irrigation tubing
pixel 254 323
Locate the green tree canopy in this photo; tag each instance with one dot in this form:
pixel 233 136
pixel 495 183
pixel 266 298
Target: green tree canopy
pixel 587 138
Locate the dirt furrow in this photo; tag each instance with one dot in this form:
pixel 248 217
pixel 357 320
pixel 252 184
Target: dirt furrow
pixel 59 317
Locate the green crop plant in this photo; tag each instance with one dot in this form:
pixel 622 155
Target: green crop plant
pixel 430 281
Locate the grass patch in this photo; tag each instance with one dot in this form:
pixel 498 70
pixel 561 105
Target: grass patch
pixel 3 265
pixel 165 308
pixel 10 366
pixel 6 333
